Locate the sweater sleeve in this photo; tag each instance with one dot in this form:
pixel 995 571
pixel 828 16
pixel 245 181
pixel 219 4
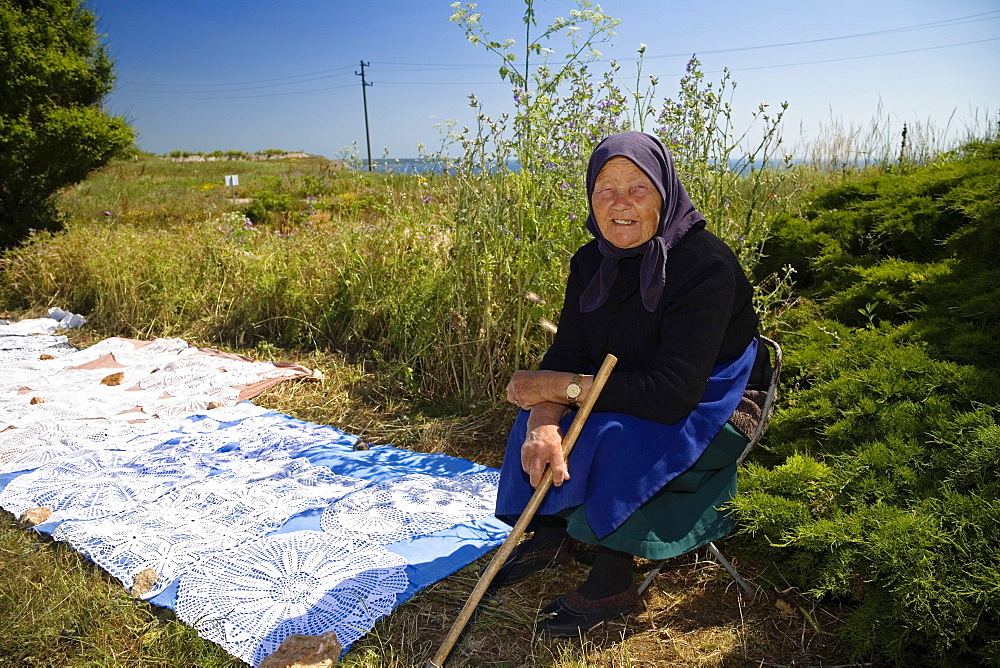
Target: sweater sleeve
pixel 695 321
pixel 568 351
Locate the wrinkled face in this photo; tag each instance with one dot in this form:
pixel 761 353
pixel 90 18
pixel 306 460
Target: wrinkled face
pixel 626 203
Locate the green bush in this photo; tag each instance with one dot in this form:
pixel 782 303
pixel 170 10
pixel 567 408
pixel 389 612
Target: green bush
pixel 917 245
pixel 879 481
pixel 53 75
pixel 267 206
pixel 903 214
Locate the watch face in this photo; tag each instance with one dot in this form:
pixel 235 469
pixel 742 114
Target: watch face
pixel 573 391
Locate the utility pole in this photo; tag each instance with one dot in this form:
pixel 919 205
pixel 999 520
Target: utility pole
pixel 364 95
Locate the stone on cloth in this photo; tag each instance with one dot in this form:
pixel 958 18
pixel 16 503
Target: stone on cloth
pixel 301 651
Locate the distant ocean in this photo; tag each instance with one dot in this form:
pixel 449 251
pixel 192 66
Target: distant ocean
pixel 415 165
pixel 418 165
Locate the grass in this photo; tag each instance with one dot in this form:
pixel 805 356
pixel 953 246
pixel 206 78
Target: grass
pixel 691 617
pixel 846 148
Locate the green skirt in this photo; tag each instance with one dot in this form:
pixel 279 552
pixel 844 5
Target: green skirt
pixel 682 516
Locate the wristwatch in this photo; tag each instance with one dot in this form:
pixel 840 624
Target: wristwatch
pixel 573 389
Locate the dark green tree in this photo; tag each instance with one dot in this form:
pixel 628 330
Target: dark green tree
pixel 54 74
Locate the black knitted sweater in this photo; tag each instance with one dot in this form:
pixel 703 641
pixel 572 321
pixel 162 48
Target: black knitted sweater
pixel 705 317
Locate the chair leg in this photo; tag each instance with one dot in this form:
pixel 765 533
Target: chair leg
pixel 657 567
pixel 729 567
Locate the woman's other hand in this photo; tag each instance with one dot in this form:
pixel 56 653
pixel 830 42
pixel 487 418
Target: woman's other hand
pixel 543 444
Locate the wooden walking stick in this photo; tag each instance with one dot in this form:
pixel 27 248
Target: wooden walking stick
pixel 526 516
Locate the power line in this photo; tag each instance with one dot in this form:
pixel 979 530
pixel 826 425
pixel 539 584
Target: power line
pixel 946 23
pixel 446 83
pixel 426 67
pixel 443 66
pixel 127 93
pixel 234 90
pixel 874 55
pixel 243 83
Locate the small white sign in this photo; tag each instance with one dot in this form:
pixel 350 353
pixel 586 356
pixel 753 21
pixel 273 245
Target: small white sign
pixel 233 180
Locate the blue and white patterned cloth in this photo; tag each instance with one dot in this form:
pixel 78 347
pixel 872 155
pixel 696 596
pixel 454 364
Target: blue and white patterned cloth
pixel 251 524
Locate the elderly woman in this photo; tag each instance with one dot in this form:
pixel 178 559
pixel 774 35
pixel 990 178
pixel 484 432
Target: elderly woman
pixel 656 458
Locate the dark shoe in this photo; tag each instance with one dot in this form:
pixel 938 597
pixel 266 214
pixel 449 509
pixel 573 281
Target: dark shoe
pixel 572 615
pixel 523 561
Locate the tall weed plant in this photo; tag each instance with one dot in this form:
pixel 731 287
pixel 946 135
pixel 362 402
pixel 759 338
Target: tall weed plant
pixel 521 179
pixel 889 142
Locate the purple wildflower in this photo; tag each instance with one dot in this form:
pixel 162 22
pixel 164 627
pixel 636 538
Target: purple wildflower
pixel 426 199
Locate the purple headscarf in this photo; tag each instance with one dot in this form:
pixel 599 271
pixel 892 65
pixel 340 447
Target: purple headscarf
pixel 677 216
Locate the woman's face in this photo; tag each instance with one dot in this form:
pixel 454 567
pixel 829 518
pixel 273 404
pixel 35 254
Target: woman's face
pixel 626 203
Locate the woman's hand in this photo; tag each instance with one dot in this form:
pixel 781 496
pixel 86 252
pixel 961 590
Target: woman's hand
pixel 527 389
pixel 543 444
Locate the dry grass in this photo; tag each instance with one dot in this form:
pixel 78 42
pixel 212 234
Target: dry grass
pixel 692 615
pixel 58 609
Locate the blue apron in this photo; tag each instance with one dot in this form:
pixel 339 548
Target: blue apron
pixel 620 461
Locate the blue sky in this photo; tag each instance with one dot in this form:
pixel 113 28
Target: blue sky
pixel 204 75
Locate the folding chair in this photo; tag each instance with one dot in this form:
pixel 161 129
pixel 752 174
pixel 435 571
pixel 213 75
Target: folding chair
pixel 765 418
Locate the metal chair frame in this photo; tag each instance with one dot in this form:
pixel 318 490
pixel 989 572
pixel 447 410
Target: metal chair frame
pixel 765 418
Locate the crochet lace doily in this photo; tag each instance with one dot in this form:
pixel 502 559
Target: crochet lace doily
pixel 51 407
pixel 251 598
pixel 224 428
pixel 99 483
pixel 258 437
pixel 219 512
pixel 412 505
